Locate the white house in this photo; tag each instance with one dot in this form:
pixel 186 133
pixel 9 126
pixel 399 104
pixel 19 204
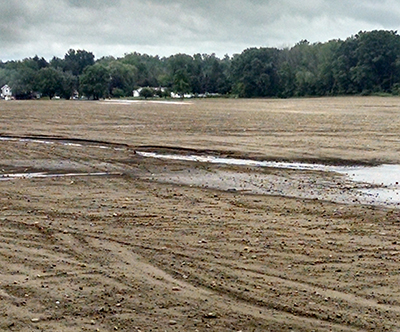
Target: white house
pixel 6 92
pixel 185 95
pixel 136 93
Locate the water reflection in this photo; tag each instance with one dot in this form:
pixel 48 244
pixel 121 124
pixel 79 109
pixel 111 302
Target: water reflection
pixel 384 175
pixel 384 179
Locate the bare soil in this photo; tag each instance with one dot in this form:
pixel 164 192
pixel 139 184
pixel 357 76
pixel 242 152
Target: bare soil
pixel 134 251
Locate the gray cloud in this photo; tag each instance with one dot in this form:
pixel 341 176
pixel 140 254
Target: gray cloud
pixel 165 27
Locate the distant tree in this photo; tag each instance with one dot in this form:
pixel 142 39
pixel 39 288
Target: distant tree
pixel 214 74
pixel 22 79
pixel 255 72
pixel 146 93
pixel 181 82
pixel 122 77
pixel 345 59
pixel 49 82
pixel 77 61
pixel 94 81
pixel 287 79
pixel 69 85
pixel 181 69
pixel 148 68
pixel 57 63
pixel 366 63
pixel 41 62
pixel 4 76
pixel 304 62
pixel 377 68
pixel 106 60
pixel 224 83
pixel 117 92
pixel 326 55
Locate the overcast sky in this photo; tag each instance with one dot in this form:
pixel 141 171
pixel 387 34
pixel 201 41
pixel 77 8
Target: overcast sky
pixel 165 27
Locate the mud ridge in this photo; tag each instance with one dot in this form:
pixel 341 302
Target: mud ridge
pixel 64 139
pixel 179 150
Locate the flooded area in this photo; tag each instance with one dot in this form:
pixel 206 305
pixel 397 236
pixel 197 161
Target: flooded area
pixel 382 175
pixel 376 185
pixel 135 101
pixel 370 185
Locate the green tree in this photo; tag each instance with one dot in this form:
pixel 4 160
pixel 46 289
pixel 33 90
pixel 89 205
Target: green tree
pixel 287 79
pixel 377 67
pixel 181 82
pixel 148 68
pixel 22 82
pixel 57 63
pixel 122 78
pixel 4 76
pixel 40 62
pixel 69 85
pixel 303 59
pixel 77 61
pixel 215 74
pixel 94 81
pixel 326 55
pixel 180 68
pixel 49 82
pixel 146 93
pixel 255 72
pixel 345 61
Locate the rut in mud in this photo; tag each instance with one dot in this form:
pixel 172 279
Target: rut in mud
pixel 120 252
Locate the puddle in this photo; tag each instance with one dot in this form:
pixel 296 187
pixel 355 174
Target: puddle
pixel 130 102
pixel 240 162
pixel 382 181
pixel 383 175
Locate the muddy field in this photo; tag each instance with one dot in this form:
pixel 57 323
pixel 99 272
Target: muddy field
pixel 94 236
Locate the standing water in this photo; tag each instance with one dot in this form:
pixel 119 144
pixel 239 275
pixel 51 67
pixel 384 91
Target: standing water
pixel 383 180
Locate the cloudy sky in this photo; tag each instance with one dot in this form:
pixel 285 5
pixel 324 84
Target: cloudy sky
pixel 165 27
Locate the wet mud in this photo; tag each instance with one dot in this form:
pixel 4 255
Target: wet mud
pixel 95 235
pixel 376 185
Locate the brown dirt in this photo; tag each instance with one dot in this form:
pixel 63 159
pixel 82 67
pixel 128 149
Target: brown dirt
pixel 131 252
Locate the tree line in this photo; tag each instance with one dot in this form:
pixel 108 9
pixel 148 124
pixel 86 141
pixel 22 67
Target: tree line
pixel 366 63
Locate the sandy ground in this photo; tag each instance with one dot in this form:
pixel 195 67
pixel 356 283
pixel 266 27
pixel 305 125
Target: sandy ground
pixel 137 251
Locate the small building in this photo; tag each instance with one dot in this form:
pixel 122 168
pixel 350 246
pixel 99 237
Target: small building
pixel 136 93
pixel 158 91
pixel 181 96
pixel 6 92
